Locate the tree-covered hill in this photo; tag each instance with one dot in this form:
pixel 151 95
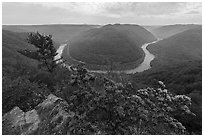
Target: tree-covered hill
pixel 116 43
pixel 170 30
pixel 184 46
pixel 137 33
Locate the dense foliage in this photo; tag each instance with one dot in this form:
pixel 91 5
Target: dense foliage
pixel 178 63
pixel 22 93
pixel 23 84
pixel 110 43
pixel 102 106
pixel 184 79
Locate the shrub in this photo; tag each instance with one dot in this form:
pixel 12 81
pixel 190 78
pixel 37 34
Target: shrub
pixel 120 109
pixel 22 93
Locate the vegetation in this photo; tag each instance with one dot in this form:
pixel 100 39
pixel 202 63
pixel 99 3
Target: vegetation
pixel 185 46
pixel 100 105
pixel 112 66
pixel 178 64
pixel 22 93
pixel 46 52
pixel 163 32
pixel 60 32
pixel 24 84
pixel 111 43
pixel 185 78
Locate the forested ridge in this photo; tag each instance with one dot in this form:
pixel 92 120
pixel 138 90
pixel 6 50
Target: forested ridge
pixel 118 43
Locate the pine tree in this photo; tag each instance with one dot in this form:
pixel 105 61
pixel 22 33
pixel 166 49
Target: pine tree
pixel 45 52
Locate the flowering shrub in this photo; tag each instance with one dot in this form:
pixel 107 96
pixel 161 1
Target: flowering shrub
pixel 115 108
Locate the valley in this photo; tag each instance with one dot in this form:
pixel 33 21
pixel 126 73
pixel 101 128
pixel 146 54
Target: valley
pixel 142 61
pixel 102 68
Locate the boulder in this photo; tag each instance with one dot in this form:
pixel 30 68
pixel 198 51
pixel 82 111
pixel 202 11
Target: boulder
pixel 49 117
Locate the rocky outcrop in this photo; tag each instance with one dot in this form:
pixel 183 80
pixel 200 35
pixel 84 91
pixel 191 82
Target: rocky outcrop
pixel 49 117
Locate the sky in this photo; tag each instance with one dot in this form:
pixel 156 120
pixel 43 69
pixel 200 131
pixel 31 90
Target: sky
pixel 147 13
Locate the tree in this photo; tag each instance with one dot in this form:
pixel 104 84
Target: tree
pixel 45 52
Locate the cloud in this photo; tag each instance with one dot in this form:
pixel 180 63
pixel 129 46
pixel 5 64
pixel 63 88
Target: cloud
pixel 92 13
pixel 193 12
pixel 120 8
pixel 125 8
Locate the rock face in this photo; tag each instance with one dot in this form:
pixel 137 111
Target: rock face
pixel 49 117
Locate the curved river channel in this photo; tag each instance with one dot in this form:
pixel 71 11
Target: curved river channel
pixel 145 65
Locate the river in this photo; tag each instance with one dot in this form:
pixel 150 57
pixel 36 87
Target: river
pixel 145 65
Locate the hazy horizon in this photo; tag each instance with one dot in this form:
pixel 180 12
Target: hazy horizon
pixel 99 24
pixel 141 13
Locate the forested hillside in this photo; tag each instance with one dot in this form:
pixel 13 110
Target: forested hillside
pixel 110 43
pixel 185 46
pixel 12 42
pixel 178 64
pixel 11 59
pixel 73 101
pixel 60 32
pixel 170 30
pixel 17 68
